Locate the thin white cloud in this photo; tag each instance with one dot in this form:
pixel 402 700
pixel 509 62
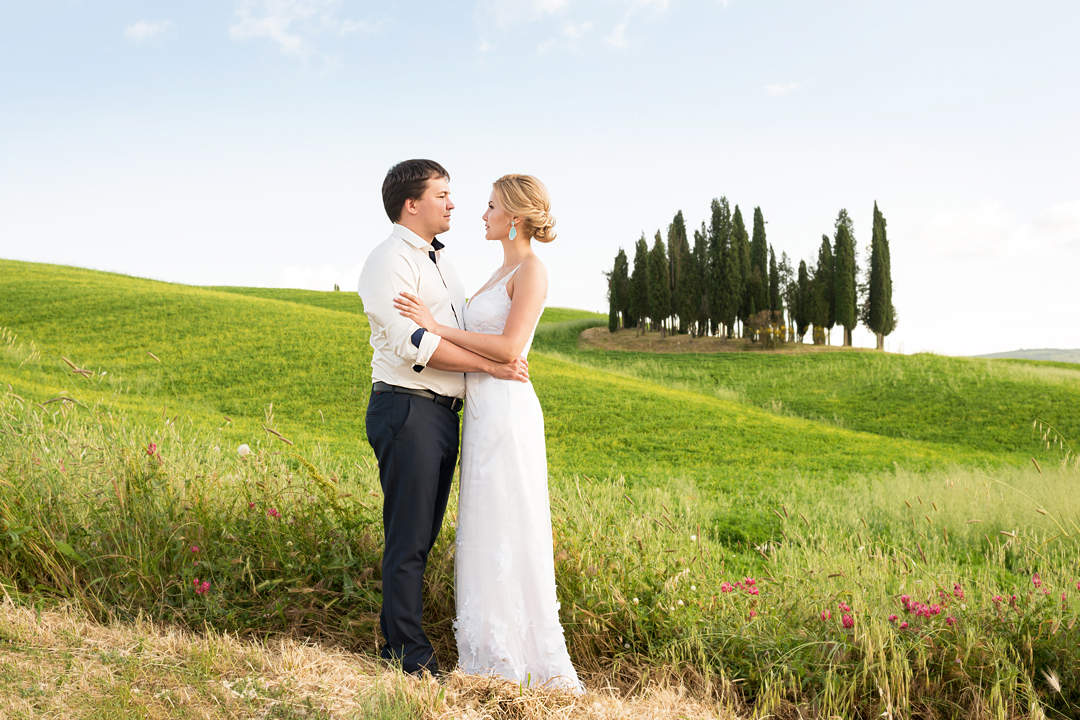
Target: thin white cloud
pixel 572 19
pixel 617 36
pixel 145 30
pixel 294 25
pixel 779 89
pixel 576 31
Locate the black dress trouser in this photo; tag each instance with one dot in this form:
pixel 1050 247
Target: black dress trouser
pixel 416 444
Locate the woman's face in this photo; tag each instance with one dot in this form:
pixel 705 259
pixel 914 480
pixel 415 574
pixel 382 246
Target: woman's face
pixel 496 220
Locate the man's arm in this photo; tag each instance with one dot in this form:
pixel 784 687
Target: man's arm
pixel 379 284
pixel 448 356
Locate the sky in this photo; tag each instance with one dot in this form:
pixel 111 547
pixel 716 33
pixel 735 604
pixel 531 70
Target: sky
pixel 244 142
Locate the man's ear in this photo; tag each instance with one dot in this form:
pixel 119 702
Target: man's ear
pixel 409 206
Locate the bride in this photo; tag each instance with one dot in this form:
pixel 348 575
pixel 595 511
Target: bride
pixel 507 612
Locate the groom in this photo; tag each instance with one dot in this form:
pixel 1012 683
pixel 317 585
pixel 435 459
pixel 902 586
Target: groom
pixel 417 390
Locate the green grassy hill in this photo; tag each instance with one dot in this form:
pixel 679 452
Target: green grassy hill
pixel 852 477
pixel 235 352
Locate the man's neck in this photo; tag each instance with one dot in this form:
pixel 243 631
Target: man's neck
pixel 422 234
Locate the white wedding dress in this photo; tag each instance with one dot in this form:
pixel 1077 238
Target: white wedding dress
pixel 507 611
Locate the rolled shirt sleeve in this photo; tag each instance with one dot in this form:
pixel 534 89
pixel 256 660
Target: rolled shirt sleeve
pixel 380 283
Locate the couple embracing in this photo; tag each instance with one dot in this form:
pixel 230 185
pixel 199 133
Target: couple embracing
pixel 435 355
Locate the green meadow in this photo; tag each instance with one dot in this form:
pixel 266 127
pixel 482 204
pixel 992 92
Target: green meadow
pixel 747 523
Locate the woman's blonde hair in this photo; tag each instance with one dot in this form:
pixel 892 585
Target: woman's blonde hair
pixel 527 198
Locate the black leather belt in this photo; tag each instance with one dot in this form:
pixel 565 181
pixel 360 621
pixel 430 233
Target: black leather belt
pixel 454 403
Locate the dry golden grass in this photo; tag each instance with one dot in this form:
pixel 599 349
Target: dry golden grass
pixel 57 663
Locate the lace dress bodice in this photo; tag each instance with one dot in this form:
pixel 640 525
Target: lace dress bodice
pixel 487 310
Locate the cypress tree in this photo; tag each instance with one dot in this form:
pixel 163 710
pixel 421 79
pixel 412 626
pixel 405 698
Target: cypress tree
pixel 620 288
pixel 879 313
pixel 845 305
pixel 613 312
pixel 698 292
pixel 678 261
pixel 759 265
pixel 719 238
pixel 659 289
pixel 639 284
pixel 788 290
pixel 804 302
pixel 775 305
pixel 822 313
pixel 740 247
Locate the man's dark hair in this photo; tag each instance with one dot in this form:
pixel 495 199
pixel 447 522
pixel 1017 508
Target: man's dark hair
pixel 407 180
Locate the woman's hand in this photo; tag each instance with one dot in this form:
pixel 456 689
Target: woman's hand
pixel 411 307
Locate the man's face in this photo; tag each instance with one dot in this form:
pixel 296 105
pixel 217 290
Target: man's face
pixel 434 206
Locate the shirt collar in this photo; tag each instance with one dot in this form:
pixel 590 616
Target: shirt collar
pixel 415 240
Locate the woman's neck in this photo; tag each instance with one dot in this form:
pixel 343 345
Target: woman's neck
pixel 516 250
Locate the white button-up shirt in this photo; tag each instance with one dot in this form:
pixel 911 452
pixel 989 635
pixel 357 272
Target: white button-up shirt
pixel 402 263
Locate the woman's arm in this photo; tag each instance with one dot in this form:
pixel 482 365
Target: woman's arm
pixel 530 289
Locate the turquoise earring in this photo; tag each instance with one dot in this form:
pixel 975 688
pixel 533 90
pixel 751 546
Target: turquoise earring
pixel 513 231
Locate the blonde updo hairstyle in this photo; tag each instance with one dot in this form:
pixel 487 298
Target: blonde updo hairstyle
pixel 526 197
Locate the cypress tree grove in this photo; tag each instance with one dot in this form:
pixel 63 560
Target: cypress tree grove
pixel 879 313
pixel 740 245
pixel 659 289
pixel 759 265
pixel 639 284
pixel 846 312
pixel 823 314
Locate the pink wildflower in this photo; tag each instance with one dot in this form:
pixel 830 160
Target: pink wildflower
pixel 753 613
pixel 849 622
pixel 998 599
pixel 752 590
pixel 151 449
pixel 1036 580
pixel 204 587
pixel 825 615
pixel 251 505
pixel 958 591
pixel 726 587
pixel 194 548
pixel 935 609
pixel 844 607
pixel 272 512
pixel 904 625
pixel 950 620
pixel 893 618
pixel 749 582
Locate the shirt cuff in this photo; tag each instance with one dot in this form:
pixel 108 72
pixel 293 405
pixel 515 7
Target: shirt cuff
pixel 428 341
pixel 416 336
